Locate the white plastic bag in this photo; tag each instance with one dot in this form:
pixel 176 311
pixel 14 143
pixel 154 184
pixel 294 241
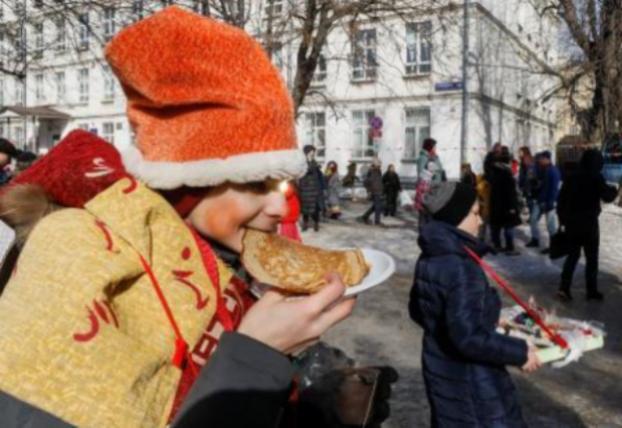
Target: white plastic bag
pixel 405 199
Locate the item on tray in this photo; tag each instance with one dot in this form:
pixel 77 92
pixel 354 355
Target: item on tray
pixel 298 268
pixel 581 336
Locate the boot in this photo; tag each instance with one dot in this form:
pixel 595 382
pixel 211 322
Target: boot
pixel 594 295
pixel 305 225
pixel 316 226
pixel 534 243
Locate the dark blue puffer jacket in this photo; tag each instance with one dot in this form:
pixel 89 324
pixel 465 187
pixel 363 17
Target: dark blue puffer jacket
pixel 463 357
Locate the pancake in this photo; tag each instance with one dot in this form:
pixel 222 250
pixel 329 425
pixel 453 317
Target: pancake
pixel 298 268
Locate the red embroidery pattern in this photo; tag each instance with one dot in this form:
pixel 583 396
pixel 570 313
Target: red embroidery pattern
pixel 182 277
pixel 133 185
pixel 100 311
pixel 107 235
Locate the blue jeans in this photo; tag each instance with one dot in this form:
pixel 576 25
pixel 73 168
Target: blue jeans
pixel 534 219
pixel 377 207
pixel 508 233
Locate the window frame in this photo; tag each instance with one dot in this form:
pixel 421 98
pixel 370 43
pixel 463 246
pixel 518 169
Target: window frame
pixel 83 85
pixel 315 133
pixel 61 95
pixel 422 31
pixel 417 131
pixel 361 54
pixel 362 130
pixel 109 22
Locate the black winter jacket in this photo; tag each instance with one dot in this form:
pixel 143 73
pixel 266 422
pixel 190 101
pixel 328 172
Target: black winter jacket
pixel 463 357
pixel 311 189
pixel 504 211
pixel 582 192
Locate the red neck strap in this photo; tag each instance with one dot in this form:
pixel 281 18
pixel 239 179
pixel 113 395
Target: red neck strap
pixel 510 291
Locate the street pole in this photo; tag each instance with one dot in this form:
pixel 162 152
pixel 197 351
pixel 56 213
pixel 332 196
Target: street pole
pixel 465 80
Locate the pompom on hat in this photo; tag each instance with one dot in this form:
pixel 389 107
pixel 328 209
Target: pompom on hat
pixel 206 104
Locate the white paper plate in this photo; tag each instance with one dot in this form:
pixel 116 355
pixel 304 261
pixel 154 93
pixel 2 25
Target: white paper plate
pixel 382 267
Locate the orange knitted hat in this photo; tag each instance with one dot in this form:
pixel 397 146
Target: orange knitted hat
pixel 205 102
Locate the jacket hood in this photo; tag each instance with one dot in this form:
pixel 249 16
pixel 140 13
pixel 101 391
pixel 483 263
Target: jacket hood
pixel 437 238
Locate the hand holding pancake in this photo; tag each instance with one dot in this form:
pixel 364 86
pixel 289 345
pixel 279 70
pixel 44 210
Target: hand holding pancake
pixel 288 324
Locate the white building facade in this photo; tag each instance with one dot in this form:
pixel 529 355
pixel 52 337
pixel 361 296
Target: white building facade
pixel 404 70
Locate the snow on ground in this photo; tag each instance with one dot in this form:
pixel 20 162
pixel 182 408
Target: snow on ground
pixel 583 394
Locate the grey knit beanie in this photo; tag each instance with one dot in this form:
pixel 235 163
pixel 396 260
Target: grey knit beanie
pixel 449 202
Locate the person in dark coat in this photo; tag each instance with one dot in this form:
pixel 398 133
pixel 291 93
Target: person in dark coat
pixel 578 209
pixel 529 184
pixel 392 188
pixel 311 190
pixel 504 211
pixel 375 189
pixel 491 158
pixel 548 192
pixel 463 356
pixel 467 176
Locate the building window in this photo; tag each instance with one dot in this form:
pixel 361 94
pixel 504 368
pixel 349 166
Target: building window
pixel 19 92
pixel 138 8
pixel 277 56
pixel 83 126
pixel 363 141
pixel 19 135
pixel 84 31
pixel 60 87
pixel 315 132
pixel 39 95
pixel 61 38
pixel 418 47
pixel 319 76
pixel 273 9
pixel 83 85
pixel 108 132
pixel 108 84
pixel 38 52
pixel 108 21
pixel 364 62
pixel 417 129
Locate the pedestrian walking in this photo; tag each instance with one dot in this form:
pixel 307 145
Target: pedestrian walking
pixel 428 160
pixel 504 207
pixel 491 158
pixel 333 188
pixel 579 207
pixel 463 356
pixel 530 185
pixel 392 188
pixel 467 176
pixel 483 198
pixel 375 190
pixel 548 192
pixel 423 185
pixel 311 190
